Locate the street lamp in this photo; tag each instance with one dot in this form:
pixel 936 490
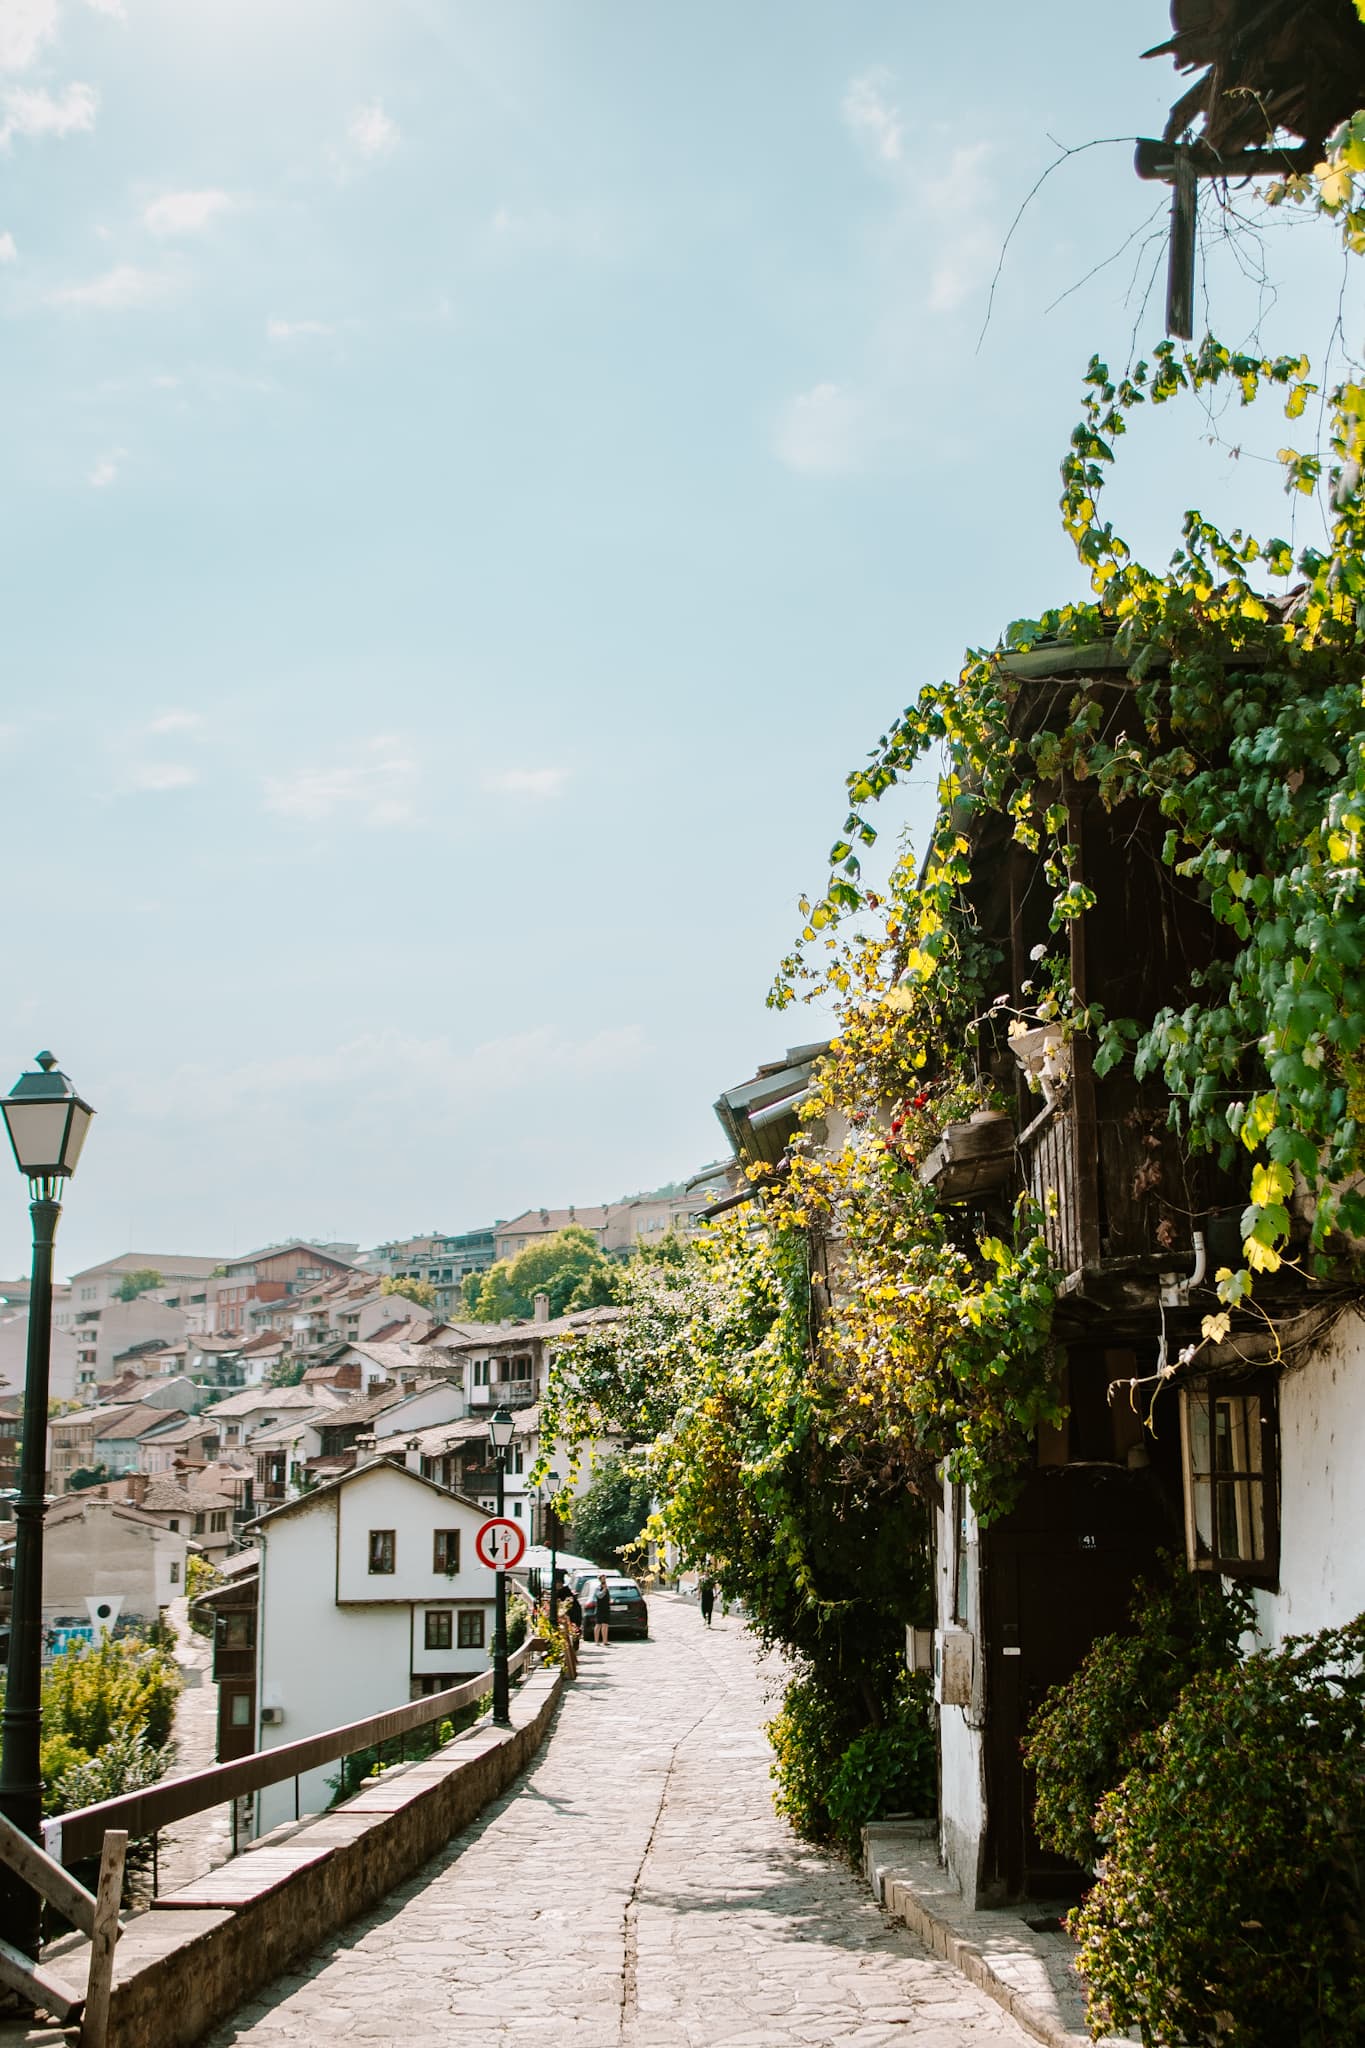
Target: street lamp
pixel 47 1122
pixel 501 1428
pixel 552 1482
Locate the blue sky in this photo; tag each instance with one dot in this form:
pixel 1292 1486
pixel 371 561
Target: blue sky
pixel 471 481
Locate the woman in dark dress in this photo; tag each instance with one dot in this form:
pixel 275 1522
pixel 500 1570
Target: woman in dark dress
pixel 601 1610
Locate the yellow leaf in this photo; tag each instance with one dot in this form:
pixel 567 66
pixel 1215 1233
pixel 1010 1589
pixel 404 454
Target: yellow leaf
pixel 1262 1258
pixel 1216 1328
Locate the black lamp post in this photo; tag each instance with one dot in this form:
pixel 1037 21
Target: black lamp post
pixel 552 1482
pixel 47 1123
pixel 500 1431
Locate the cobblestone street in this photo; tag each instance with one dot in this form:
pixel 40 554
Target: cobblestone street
pixel 635 1890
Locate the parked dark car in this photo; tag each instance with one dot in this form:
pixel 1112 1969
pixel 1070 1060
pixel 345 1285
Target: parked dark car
pixel 629 1608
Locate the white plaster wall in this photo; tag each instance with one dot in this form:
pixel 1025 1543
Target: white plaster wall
pixel 962 1766
pixel 323 1664
pixel 387 1497
pixel 1322 1490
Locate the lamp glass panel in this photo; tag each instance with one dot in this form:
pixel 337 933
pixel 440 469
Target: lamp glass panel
pixel 75 1137
pixel 36 1130
pixel 500 1428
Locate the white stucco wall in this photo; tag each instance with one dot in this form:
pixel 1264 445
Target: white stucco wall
pixel 962 1765
pixel 1322 1490
pixel 324 1662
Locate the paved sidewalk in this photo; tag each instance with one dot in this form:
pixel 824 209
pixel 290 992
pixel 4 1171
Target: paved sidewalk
pixel 635 1890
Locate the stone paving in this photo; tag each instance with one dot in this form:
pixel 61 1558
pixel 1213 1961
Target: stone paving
pixel 634 1890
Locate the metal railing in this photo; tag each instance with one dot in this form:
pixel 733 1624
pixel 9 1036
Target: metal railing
pixel 74 1837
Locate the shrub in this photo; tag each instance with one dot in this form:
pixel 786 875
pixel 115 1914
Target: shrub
pixel 200 1578
pixel 891 1769
pixel 1088 1732
pixel 518 1620
pixel 815 1726
pixel 123 1764
pixel 111 1689
pixel 1230 1906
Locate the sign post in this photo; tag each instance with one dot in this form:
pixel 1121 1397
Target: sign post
pixel 500 1543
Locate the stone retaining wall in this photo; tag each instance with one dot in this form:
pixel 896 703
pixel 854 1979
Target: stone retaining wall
pixel 185 1964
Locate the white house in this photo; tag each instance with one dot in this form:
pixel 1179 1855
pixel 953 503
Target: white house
pixel 370 1595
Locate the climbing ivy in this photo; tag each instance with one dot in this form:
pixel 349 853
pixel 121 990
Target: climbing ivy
pixel 1250 742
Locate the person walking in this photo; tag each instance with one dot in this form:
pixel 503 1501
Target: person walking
pixel 601 1610
pixel 708 1600
pixel 573 1608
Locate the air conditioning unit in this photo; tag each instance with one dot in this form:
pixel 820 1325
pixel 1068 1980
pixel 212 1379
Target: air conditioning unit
pixel 271 1717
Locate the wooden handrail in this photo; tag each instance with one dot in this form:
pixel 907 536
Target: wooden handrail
pixel 73 1837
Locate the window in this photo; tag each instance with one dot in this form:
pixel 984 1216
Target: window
pixel 175 1571
pixel 218 1522
pixel 518 1459
pixel 239 1711
pixel 236 1630
pixel 482 1371
pixel 516 1369
pixel 471 1629
pixel 438 1628
pixel 199 1525
pixel 382 1548
pixel 516 1509
pixel 1228 1440
pixel 445 1552
pixel 174 1523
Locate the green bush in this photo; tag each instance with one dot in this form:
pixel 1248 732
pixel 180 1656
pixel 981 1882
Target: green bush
pixel 1231 1904
pixel 124 1763
pixel 891 1769
pixel 1088 1732
pixel 817 1722
pixel 111 1689
pixel 518 1621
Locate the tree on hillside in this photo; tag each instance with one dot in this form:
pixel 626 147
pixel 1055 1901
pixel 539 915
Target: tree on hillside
pixel 87 1475
pixel 420 1291
pixel 569 1266
pixel 139 1282
pixel 612 1513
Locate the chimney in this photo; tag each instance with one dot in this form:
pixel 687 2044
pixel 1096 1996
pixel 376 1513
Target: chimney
pixel 542 1308
pixel 137 1487
pixel 412 1454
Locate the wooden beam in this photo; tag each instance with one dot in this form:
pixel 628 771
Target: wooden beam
pixel 46 1876
pixel 95 2018
pixel 41 1987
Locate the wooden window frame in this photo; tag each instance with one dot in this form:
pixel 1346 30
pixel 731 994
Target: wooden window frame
pixel 1250 1485
pixel 472 1629
pixel 439 1629
pixel 445 1552
pixel 385 1548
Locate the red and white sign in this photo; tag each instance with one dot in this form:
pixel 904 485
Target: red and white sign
pixel 500 1543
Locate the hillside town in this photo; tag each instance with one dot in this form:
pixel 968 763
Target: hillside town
pixel 194 1397
pixel 593 589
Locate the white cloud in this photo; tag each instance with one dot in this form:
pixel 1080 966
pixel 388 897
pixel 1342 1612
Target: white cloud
pixel 927 258
pixel 8 248
pixel 106 469
pixel 820 431
pixel 872 117
pixel 528 781
pixel 33 111
pixel 116 290
pixel 157 776
pixel 25 26
pixel 177 721
pixel 376 779
pixel 113 8
pixel 296 330
pixel 371 132
pixel 185 213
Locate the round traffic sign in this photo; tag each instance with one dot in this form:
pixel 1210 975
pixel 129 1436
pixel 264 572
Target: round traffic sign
pixel 500 1543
